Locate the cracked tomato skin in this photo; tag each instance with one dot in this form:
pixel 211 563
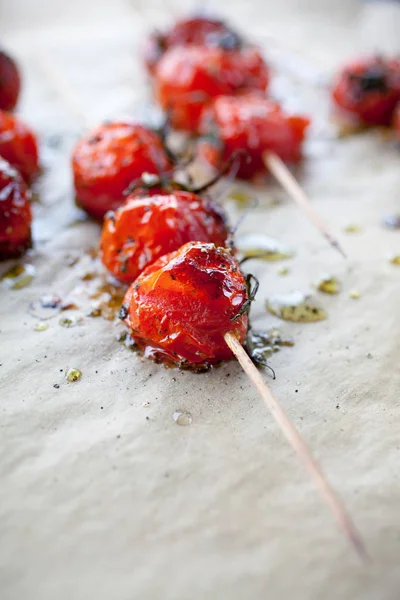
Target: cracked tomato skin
pixel 15 213
pixel 10 82
pixel 180 307
pixel 144 229
pixel 368 90
pixel 108 159
pixel 254 123
pixel 18 146
pixel 188 78
pixel 198 30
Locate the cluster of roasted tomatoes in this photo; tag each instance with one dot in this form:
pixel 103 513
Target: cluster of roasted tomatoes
pixel 169 242
pixel 18 166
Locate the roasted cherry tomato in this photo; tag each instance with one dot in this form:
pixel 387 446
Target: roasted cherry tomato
pixel 187 78
pixel 253 123
pixel 109 158
pixel 18 145
pixel 15 213
pixel 180 307
pixel 396 121
pixel 369 89
pixel 144 229
pixel 10 82
pixel 200 31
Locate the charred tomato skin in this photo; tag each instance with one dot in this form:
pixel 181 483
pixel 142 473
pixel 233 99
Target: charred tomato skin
pixel 146 228
pixel 109 158
pixel 196 30
pixel 188 78
pixel 180 307
pixel 252 122
pixel 18 146
pixel 15 213
pixel 10 82
pixel 368 90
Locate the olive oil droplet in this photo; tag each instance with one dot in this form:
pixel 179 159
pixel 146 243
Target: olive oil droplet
pixel 19 277
pixel 73 375
pixel 328 284
pixel 262 246
pixel 41 326
pixel 182 418
pixel 296 306
pixel 395 259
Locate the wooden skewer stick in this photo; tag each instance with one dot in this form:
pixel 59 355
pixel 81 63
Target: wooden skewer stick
pixel 299 446
pixel 282 174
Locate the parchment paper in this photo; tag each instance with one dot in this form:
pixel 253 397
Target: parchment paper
pixel 103 496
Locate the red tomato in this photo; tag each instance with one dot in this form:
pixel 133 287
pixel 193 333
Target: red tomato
pixel 396 120
pixel 18 145
pixel 15 213
pixel 144 229
pixel 109 158
pixel 10 82
pixel 369 89
pixel 253 123
pixel 187 78
pixel 180 307
pixel 201 31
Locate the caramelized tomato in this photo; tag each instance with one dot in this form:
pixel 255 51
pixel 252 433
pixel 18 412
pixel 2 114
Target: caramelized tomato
pixel 15 213
pixel 369 89
pixel 180 307
pixel 18 145
pixel 188 78
pixel 253 123
pixel 109 158
pixel 144 229
pixel 200 31
pixel 10 82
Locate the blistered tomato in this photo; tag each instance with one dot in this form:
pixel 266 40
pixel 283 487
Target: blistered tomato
pixel 10 82
pixel 15 213
pixel 144 229
pixel 369 89
pixel 198 30
pixel 18 145
pixel 253 123
pixel 180 307
pixel 188 77
pixel 109 158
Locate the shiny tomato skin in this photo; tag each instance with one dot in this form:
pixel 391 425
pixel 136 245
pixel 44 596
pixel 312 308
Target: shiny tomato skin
pixel 18 146
pixel 396 121
pixel 15 213
pixel 368 90
pixel 108 159
pixel 144 229
pixel 253 123
pixel 10 82
pixel 188 78
pixel 180 307
pixel 197 30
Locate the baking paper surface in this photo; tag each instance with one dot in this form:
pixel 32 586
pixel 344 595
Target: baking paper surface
pixel 102 495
